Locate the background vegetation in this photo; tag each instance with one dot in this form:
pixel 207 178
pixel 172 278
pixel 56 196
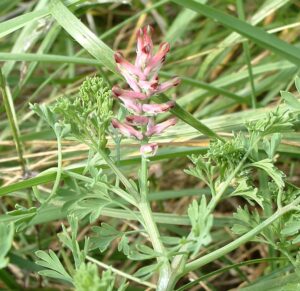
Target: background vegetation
pixel 233 57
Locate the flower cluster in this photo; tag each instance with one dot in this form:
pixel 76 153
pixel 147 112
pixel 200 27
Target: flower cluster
pixel 143 81
pixel 90 113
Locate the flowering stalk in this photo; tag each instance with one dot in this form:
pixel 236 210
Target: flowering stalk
pixel 142 79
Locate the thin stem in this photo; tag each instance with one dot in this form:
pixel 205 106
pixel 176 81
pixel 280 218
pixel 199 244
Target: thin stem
pixel 58 173
pixel 226 184
pixel 118 157
pixel 118 173
pixel 11 115
pixel 144 179
pixel 279 199
pixel 114 168
pixel 120 273
pixel 196 264
pixel 121 193
pixel 151 227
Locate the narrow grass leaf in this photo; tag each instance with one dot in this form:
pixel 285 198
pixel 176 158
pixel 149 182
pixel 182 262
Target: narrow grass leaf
pixel 11 25
pixel 12 119
pixel 257 35
pixel 188 118
pixel 84 36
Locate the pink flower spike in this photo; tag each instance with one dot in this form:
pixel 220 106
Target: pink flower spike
pixel 118 92
pixel 149 150
pixel 159 128
pixel 126 129
pixel 137 120
pixel 158 108
pixel 167 85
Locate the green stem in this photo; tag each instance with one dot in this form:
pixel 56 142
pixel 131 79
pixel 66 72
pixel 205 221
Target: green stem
pixel 118 157
pixel 12 119
pixel 58 173
pixel 118 173
pixel 226 184
pixel 196 264
pixel 114 168
pixel 151 228
pixel 120 192
pixel 268 211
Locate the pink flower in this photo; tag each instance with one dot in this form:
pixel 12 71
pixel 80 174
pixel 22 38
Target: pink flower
pixel 137 120
pixel 124 66
pixel 158 108
pixel 144 47
pixel 160 127
pixel 158 59
pixel 131 104
pixel 149 150
pixel 118 92
pixel 167 85
pixel 126 129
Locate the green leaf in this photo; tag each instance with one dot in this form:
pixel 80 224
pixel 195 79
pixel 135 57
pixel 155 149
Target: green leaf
pixel 256 34
pixel 123 245
pixel 188 118
pixel 105 234
pixel 203 169
pixel 72 243
pixel 290 230
pixel 245 221
pixel 202 222
pixel 297 84
pixel 21 216
pixel 6 235
pixel 94 208
pixel 87 278
pixel 51 262
pixel 84 36
pixel 247 192
pixel 290 99
pixel 268 166
pixel 45 113
pixel 271 146
pixel 147 271
pixel 280 120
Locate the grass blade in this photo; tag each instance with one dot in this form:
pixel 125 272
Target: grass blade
pixel 257 35
pixel 240 9
pixel 12 119
pixel 82 34
pixel 188 118
pixel 11 25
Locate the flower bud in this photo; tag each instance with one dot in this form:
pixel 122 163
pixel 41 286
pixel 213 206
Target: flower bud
pixel 149 150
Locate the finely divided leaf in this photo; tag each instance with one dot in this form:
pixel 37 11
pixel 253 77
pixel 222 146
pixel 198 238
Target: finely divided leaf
pixel 268 166
pixel 51 262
